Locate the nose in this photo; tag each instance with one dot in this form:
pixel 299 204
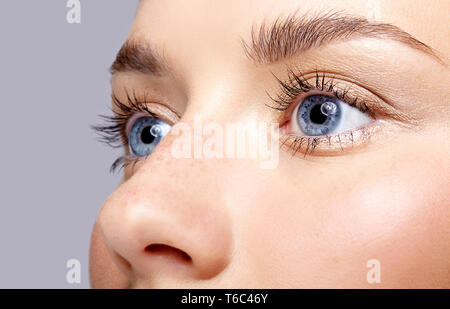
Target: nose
pixel 161 222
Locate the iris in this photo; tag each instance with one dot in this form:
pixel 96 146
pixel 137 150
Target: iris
pixel 145 135
pixel 319 115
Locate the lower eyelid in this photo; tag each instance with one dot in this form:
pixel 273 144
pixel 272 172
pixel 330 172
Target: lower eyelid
pixel 328 145
pixel 124 162
pixel 332 144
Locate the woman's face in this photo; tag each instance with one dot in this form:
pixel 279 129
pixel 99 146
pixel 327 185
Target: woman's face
pixel 356 186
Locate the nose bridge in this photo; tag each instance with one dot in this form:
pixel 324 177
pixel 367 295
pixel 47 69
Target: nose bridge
pixel 172 203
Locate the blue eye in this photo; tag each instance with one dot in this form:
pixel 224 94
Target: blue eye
pixel 146 134
pixel 321 115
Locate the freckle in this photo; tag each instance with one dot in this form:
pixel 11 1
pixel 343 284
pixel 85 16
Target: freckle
pixel 335 260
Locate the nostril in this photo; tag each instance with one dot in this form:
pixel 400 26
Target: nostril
pixel 165 250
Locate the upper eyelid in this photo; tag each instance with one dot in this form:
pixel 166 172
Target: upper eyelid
pixel 132 120
pixel 127 113
pixel 132 103
pixel 143 102
pixel 298 83
pixel 377 106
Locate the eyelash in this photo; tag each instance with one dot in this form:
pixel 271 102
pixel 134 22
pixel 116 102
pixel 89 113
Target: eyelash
pixel 295 86
pixel 112 132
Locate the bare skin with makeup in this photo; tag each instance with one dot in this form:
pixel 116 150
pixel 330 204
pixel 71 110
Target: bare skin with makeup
pixel 359 92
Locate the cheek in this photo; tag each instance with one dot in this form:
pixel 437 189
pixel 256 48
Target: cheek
pixel 402 219
pixel 103 272
pixel 324 238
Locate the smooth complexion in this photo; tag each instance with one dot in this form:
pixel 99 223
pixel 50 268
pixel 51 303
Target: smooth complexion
pixel 316 220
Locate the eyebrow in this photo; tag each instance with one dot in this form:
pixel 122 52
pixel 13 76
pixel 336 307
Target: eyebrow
pixel 291 35
pixel 280 40
pixel 137 56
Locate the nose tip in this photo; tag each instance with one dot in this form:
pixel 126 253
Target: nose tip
pixel 147 240
pixel 162 222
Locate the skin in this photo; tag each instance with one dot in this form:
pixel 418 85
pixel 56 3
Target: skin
pixel 311 222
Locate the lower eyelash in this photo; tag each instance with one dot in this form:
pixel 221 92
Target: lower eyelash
pixel 125 161
pixel 307 144
pixel 296 143
pixel 112 132
pixel 297 85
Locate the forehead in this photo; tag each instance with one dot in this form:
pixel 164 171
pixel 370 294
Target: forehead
pixel 208 23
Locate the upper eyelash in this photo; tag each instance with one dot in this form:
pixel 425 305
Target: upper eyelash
pixel 297 84
pixel 113 132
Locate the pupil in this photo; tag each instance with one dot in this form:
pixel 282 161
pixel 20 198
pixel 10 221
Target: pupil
pixel 316 115
pixel 146 136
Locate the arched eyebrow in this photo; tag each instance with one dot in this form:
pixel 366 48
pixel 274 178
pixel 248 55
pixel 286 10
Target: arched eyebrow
pixel 295 34
pixel 282 39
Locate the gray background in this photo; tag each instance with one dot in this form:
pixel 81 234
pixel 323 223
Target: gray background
pixel 54 174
